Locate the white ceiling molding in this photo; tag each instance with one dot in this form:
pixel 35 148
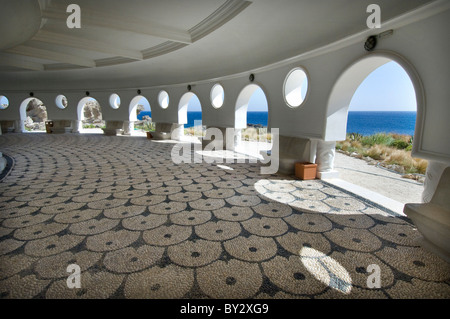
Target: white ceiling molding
pixel 162 48
pixel 120 23
pixel 18 62
pixel 218 18
pixel 175 38
pixel 86 44
pixel 51 55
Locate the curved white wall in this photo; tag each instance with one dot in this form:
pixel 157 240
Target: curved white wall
pixel 422 44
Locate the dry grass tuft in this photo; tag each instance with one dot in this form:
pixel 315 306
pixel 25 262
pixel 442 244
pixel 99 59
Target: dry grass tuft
pixel 388 149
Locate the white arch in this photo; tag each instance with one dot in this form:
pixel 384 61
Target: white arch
pixel 23 112
pixel 80 106
pixel 183 107
pixel 349 81
pixel 240 119
pixel 132 109
pixel 80 113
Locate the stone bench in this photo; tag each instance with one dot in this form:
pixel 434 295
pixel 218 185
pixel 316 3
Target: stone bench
pixel 113 128
pixel 7 126
pixel 60 126
pixel 433 219
pixel 293 150
pixel 163 131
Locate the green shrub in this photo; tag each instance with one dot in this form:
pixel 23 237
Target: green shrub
pixel 400 144
pixel 377 139
pixel 354 137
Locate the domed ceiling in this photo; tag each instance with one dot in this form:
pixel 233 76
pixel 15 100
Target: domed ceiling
pixel 160 42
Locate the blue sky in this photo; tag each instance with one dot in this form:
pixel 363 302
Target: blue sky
pixel 388 88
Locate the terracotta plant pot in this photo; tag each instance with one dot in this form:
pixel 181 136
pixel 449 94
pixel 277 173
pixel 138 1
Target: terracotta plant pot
pixel 305 171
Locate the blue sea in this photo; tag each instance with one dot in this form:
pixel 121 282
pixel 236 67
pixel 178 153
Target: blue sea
pixel 252 117
pixel 364 123
pixel 369 123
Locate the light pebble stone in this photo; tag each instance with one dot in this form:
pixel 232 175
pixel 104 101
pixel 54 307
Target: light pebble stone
pixel 17 287
pixel 52 245
pixel 230 280
pixel 171 282
pixel 77 216
pixel 93 226
pixel 141 222
pixel 111 240
pixel 56 266
pixel 130 260
pixel 97 285
pixel 167 235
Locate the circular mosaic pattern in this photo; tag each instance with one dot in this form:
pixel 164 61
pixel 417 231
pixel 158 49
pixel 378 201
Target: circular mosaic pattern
pixel 252 248
pixel 218 231
pixel 129 260
pixel 140 226
pixel 233 279
pixel 156 283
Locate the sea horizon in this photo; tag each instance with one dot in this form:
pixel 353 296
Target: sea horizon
pixel 361 122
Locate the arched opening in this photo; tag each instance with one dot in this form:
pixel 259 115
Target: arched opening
pixel 295 87
pixel 4 102
pixel 217 96
pixel 61 102
pixel 251 121
pixel 163 99
pixel 375 113
pixel 33 115
pixel 90 119
pixel 190 114
pixel 114 101
pixel 140 116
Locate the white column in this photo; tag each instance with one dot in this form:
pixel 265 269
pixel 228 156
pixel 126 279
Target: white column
pixel 19 126
pixel 128 127
pixel 237 139
pixel 433 175
pixel 2 162
pixel 326 152
pixel 177 133
pixel 77 126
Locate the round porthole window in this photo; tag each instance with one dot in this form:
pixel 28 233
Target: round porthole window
pixel 61 102
pixel 295 87
pixel 163 99
pixel 114 101
pixel 4 102
pixel 217 96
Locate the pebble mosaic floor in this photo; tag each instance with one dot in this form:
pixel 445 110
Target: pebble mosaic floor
pixel 140 226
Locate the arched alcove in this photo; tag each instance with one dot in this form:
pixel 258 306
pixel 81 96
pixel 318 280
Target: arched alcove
pixel 89 121
pixel 33 115
pixel 140 116
pixel 348 83
pixel 190 113
pixel 251 120
pixel 365 81
pixel 251 93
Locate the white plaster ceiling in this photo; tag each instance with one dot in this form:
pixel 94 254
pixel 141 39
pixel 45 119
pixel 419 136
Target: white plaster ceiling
pixel 142 43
